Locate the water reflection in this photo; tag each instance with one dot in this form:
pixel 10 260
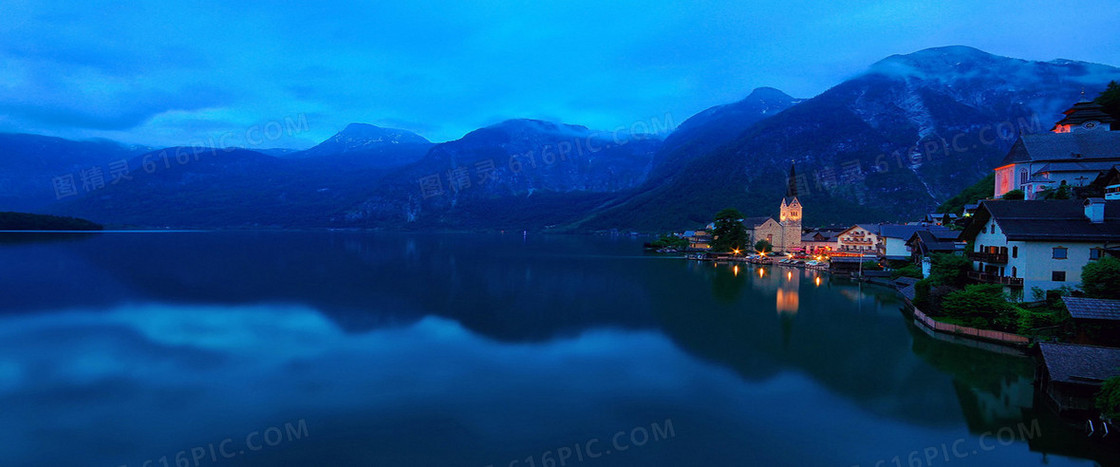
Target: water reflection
pixel 787 296
pixel 383 337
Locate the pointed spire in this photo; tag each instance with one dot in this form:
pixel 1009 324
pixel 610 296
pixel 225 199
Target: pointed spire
pixel 791 188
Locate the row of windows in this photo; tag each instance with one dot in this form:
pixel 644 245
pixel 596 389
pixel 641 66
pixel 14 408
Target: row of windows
pixel 1056 276
pixel 1061 252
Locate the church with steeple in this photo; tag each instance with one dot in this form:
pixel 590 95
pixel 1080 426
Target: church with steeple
pixel 784 234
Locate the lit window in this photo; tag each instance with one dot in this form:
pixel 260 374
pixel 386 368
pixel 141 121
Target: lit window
pixel 1058 276
pixel 1061 252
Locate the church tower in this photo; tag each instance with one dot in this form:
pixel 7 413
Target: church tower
pixel 790 215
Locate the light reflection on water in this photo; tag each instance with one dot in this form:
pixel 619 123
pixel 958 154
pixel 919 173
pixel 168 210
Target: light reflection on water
pixel 468 350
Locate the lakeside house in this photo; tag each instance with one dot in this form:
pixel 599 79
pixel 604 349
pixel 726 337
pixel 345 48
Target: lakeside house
pixel 698 239
pixel 859 239
pixel 1071 375
pixel 926 243
pixel 1074 153
pixel 894 238
pixel 1097 321
pixel 1040 243
pixel 821 241
pixel 887 241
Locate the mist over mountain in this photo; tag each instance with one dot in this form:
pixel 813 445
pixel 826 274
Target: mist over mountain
pixel 31 165
pixel 370 146
pixel 717 126
pixel 889 144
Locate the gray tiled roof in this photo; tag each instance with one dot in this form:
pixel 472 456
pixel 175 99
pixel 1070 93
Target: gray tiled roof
pixel 1093 308
pixel 1058 220
pixel 907 231
pixel 1063 146
pixel 1075 166
pixel 937 241
pixel 1081 364
pixel 752 222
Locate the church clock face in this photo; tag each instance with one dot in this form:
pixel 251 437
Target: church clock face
pixel 1089 125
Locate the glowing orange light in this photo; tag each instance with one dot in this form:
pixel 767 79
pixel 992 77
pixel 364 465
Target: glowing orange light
pixel 789 275
pixel 761 272
pixel 735 270
pixel 817 281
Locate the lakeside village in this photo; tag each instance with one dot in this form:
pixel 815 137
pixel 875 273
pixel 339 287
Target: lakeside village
pixel 1036 266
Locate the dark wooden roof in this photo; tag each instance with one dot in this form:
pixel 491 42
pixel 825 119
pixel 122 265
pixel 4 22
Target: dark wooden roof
pixel 1082 112
pixel 1080 364
pixel 1057 220
pixel 1093 308
pixel 939 241
pixel 1078 145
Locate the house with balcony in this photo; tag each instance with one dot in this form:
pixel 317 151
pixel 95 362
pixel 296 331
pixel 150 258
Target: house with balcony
pixel 1040 243
pixel 859 239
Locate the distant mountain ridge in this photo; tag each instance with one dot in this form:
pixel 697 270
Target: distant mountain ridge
pixel 715 127
pixel 519 173
pixel 36 170
pixel 358 137
pixel 898 139
pixel 879 146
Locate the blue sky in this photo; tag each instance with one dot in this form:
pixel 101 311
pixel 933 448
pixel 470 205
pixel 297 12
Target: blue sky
pixel 165 73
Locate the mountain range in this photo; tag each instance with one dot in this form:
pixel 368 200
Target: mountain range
pixel 888 144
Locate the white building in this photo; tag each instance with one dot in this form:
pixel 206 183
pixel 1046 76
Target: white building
pixel 1074 153
pixel 859 238
pixel 1027 244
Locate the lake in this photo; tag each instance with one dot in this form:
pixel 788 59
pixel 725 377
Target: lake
pixel 350 348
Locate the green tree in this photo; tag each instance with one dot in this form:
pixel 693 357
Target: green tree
pixel 1110 99
pixel 1014 195
pixel 1108 400
pixel 670 240
pixel 921 292
pixel 729 233
pixel 980 190
pixel 1062 192
pixel 763 246
pixel 1101 278
pixel 983 305
pixel 910 270
pixel 951 270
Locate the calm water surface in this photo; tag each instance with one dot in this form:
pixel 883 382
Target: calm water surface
pixel 331 348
